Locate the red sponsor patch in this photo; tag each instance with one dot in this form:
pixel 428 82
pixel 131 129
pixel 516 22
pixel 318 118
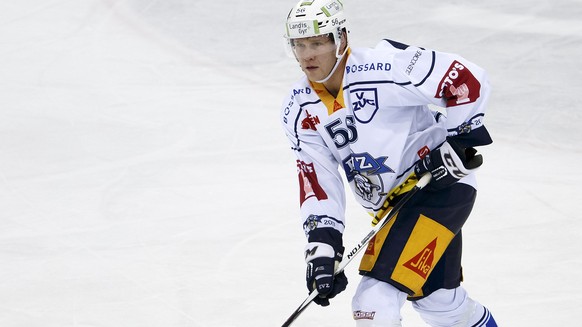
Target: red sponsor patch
pixel 422 262
pixel 310 122
pixel 423 152
pixel 308 184
pixel 458 86
pixel 370 250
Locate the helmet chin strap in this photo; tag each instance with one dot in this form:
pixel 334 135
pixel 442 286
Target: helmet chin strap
pixel 337 62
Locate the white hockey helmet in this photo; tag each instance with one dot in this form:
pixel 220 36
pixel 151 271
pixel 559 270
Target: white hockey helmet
pixel 315 18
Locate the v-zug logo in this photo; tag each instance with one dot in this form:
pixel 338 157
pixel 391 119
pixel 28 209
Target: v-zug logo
pixel 364 103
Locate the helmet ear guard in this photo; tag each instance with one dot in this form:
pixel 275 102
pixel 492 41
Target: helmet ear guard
pixel 343 34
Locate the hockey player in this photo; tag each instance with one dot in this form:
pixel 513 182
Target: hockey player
pixel 366 112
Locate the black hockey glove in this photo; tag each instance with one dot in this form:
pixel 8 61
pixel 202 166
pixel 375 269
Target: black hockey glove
pixel 322 260
pixel 448 164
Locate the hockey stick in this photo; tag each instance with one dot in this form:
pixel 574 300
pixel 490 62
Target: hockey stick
pixel 422 182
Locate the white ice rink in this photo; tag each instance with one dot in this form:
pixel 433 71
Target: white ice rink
pixel 145 180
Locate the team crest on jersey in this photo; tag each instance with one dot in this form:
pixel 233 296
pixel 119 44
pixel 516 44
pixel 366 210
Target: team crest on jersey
pixel 365 163
pixel 367 188
pixel 363 171
pixel 364 103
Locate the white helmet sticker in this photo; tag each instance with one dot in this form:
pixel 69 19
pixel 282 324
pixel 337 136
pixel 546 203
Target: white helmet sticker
pixel 302 29
pixel 332 8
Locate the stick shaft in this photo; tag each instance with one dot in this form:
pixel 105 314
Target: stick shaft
pixel 422 182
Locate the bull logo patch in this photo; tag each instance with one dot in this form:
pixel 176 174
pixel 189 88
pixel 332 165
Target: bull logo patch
pixel 362 171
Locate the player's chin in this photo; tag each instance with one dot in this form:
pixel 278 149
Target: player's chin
pixel 312 74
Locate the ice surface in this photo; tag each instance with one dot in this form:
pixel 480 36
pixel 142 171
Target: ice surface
pixel 145 180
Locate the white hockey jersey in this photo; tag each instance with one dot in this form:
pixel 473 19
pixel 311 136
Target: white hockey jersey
pixel 379 125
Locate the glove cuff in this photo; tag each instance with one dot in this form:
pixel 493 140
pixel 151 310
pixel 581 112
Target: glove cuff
pixel 314 250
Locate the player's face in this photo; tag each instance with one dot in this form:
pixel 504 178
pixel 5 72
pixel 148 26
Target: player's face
pixel 316 55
